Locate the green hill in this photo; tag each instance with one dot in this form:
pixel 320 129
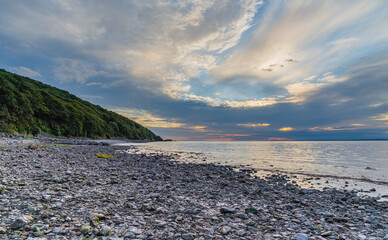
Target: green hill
pixel 29 106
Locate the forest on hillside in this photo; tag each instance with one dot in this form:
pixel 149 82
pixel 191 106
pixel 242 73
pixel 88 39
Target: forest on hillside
pixel 31 107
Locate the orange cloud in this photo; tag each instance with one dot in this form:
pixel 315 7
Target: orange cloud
pixel 316 129
pixel 197 128
pixel 286 129
pixel 146 119
pixel 381 117
pixel 358 124
pixel 236 135
pixel 253 124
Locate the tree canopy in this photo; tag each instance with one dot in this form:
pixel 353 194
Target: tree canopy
pixel 29 106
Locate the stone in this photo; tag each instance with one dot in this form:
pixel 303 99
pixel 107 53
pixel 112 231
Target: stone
pixel 129 235
pixel 326 234
pixel 46 197
pixel 18 223
pixel 225 230
pixel 135 230
pixel 252 207
pixel 370 220
pixel 85 229
pixel 328 214
pixel 225 210
pixel 94 219
pixel 301 236
pixel 105 231
pixel 37 227
pixel 160 223
pixel 251 210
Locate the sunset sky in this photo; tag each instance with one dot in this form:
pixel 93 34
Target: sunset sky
pixel 212 70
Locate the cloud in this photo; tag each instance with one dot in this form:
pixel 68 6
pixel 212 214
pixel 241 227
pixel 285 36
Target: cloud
pixel 159 45
pixel 74 70
pixel 326 129
pixel 217 102
pixel 286 129
pixel 381 117
pixel 90 97
pixel 201 68
pixel 345 42
pixel 278 139
pixel 253 124
pixel 148 120
pixel 236 135
pixel 301 36
pixel 358 124
pixel 25 71
pixel 300 90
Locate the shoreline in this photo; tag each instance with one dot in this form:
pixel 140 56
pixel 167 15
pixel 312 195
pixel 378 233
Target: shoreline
pixel 362 185
pixel 64 191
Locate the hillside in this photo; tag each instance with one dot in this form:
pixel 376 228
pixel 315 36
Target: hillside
pixel 29 106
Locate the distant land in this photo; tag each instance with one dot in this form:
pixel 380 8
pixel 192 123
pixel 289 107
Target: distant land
pixel 31 107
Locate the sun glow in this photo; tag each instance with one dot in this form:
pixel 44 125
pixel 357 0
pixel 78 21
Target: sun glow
pixel 286 129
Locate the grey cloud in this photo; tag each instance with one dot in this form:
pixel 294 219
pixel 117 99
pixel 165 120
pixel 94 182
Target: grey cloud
pixel 125 53
pixel 24 71
pixel 70 70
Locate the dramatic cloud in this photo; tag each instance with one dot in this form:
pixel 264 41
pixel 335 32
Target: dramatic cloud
pixel 211 70
pixel 297 39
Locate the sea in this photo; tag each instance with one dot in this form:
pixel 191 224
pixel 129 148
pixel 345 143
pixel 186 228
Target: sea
pixel 350 165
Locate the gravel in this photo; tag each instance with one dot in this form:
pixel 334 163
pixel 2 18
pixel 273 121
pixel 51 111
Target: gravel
pixel 56 191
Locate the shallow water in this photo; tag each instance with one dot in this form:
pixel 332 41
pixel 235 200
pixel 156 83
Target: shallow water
pixel 348 164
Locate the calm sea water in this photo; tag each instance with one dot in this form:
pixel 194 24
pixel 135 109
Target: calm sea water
pixel 316 164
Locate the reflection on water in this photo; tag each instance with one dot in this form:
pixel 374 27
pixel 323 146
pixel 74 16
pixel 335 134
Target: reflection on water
pixel 347 159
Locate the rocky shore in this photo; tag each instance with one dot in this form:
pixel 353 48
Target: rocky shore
pixel 82 189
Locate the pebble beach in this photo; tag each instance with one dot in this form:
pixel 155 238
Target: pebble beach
pixel 63 188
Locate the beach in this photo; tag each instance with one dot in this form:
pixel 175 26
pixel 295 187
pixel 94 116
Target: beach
pixel 63 188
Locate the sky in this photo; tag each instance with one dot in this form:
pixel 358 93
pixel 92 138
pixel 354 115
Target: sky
pixel 212 70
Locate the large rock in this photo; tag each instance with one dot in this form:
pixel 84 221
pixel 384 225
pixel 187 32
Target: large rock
pixel 18 223
pixel 94 219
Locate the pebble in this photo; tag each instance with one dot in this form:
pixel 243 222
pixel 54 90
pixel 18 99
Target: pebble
pixel 225 230
pixel 129 235
pixel 18 223
pixel 225 210
pixel 301 236
pixel 155 196
pixel 105 231
pixel 37 227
